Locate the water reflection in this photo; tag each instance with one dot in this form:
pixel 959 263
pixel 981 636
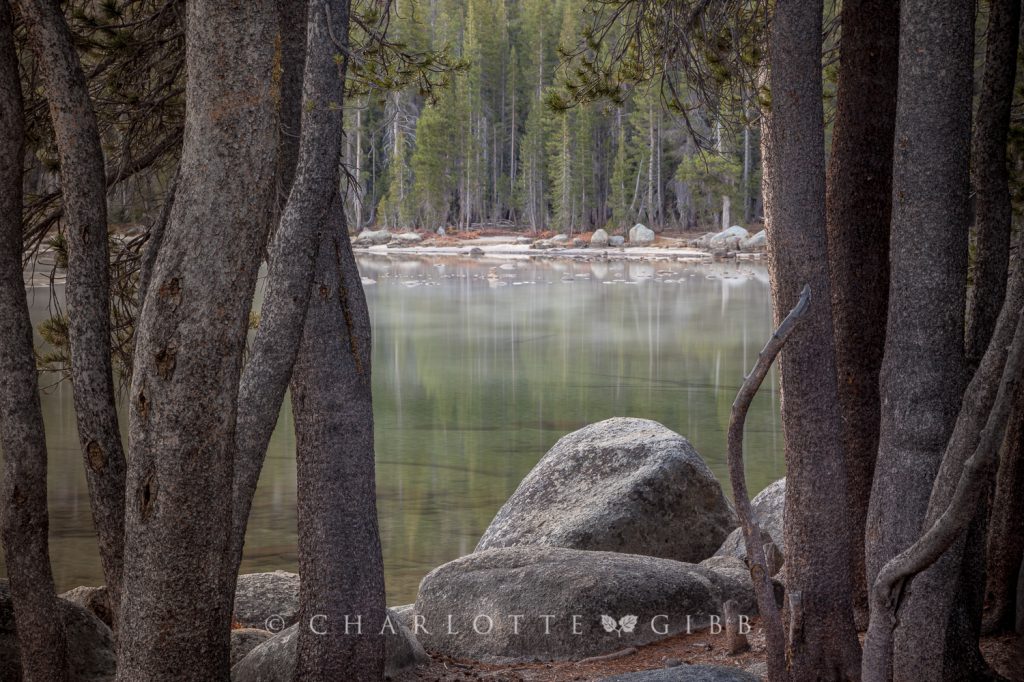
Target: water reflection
pixel 479 367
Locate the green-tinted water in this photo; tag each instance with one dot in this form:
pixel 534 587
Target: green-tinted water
pixel 479 367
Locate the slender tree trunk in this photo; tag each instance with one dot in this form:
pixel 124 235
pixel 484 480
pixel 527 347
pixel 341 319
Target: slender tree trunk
pixel 991 182
pixel 83 185
pixel 189 340
pixel 23 515
pixel 823 641
pixel 339 544
pixel 923 372
pixel 859 206
pixel 269 367
pixel 922 382
pixel 1006 527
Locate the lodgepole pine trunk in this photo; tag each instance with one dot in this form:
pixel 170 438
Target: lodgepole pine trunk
pixel 990 178
pixel 1006 528
pixel 83 186
pixel 23 514
pixel 339 543
pixel 269 367
pixel 977 454
pixel 823 641
pixel 190 336
pixel 923 369
pixel 858 206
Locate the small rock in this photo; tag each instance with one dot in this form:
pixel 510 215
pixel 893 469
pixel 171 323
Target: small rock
pixel 559 239
pixel 640 235
pixel 274 659
pixel 616 241
pixel 476 251
pixel 407 238
pixel 244 640
pixel 769 509
pixel 441 232
pixel 599 239
pixel 579 243
pixel 92 599
pixel 523 240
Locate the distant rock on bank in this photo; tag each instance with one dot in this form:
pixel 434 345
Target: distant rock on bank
pixel 372 238
pixel 620 485
pixel 640 235
pixel 599 239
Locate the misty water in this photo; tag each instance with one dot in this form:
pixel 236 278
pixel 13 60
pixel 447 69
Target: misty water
pixel 479 366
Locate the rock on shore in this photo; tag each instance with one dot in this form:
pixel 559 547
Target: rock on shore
pixel 621 485
pixel 769 509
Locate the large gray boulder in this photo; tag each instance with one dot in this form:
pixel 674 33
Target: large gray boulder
pixel 640 235
pixel 769 510
pixel 555 591
pixel 91 656
pixel 372 238
pixel 268 601
pixel 688 673
pixel 406 238
pixel 599 239
pixel 274 659
pixel 620 485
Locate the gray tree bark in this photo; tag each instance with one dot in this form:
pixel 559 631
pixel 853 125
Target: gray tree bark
pixel 189 340
pixel 83 185
pixel 823 641
pixel 1006 528
pixel 991 182
pixel 858 207
pixel 269 367
pixel 923 369
pixel 339 543
pixel 971 458
pixel 23 517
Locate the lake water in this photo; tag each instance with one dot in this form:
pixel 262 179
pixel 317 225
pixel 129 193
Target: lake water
pixel 480 365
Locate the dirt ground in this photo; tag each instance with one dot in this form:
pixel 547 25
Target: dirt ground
pixel 1004 653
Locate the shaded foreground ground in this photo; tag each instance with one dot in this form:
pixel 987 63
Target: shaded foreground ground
pixel 1005 653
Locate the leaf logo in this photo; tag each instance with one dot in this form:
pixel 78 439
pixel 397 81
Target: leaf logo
pixel 625 624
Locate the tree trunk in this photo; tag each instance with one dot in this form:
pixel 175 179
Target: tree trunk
pixel 291 18
pixel 823 642
pixel 269 367
pixel 992 210
pixel 970 457
pixel 83 185
pixel 858 206
pixel 190 336
pixel 339 544
pixel 923 370
pixel 25 524
pixel 1006 527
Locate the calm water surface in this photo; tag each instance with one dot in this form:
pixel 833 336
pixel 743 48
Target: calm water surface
pixel 480 365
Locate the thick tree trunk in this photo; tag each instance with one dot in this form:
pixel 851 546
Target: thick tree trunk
pixel 1006 527
pixel 24 523
pixel 992 210
pixel 923 370
pixel 858 207
pixel 291 16
pixel 83 185
pixel 823 641
pixel 339 544
pixel 189 340
pixel 269 367
pixel 971 458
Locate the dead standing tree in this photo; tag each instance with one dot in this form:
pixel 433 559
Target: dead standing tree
pixel 760 572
